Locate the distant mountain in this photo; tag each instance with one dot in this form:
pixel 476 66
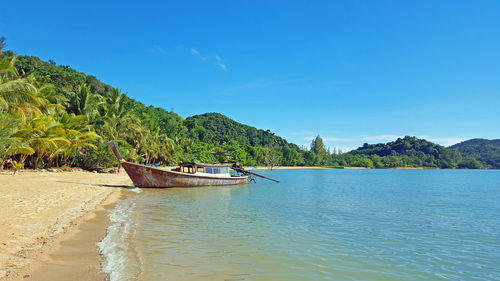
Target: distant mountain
pixel 476 142
pixel 486 151
pixel 413 152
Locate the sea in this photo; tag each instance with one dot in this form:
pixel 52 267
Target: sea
pixel 328 224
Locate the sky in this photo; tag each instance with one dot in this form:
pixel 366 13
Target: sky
pixel 349 71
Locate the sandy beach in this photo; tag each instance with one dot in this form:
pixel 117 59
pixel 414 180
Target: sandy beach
pixel 50 219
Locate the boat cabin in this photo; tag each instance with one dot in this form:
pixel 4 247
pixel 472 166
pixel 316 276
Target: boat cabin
pixel 202 168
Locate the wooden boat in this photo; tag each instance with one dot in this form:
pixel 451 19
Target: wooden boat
pixel 186 175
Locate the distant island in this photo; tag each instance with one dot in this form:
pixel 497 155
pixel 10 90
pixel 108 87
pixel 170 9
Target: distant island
pixel 54 116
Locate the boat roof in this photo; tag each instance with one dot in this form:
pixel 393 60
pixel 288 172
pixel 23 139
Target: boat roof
pixel 197 164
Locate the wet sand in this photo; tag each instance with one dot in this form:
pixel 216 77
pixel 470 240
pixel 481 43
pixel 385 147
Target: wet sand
pixel 50 223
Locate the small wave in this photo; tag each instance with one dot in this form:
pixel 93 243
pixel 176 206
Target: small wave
pixel 114 246
pixel 136 190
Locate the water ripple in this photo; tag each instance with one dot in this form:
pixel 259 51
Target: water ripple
pixel 326 225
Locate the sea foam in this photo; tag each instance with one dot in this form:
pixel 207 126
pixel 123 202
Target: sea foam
pixel 136 190
pixel 114 246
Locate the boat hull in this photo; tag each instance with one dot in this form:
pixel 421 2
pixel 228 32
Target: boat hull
pixel 144 176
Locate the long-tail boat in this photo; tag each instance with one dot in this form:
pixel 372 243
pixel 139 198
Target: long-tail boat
pixel 189 174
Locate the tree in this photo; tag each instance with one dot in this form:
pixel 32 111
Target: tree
pixel 9 144
pixel 469 163
pixel 2 43
pixel 272 158
pixel 311 158
pixel 362 162
pixel 84 102
pixel 291 157
pixel 17 94
pixel 45 135
pixel 79 134
pixel 318 148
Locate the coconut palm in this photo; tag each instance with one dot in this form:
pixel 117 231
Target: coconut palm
pixel 78 133
pixel 52 100
pixel 17 94
pixel 9 144
pixel 45 135
pixel 7 68
pixel 84 102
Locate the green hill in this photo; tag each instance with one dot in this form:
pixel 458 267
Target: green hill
pixel 412 152
pixel 53 115
pixel 486 151
pixel 249 145
pixel 218 129
pixel 470 142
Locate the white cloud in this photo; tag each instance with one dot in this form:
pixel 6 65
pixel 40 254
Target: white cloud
pixel 222 66
pixel 381 138
pixel 194 51
pixel 333 139
pixel 338 139
pixel 216 58
pixel 303 133
pixel 159 49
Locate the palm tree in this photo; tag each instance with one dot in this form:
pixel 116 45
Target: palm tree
pixel 45 135
pixel 7 68
pixel 84 102
pixel 9 144
pixel 52 99
pixel 17 94
pixel 78 133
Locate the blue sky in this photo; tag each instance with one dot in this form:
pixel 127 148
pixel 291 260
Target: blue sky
pixel 351 71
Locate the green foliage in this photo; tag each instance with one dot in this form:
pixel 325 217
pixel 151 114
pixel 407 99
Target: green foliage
pixel 470 142
pixel 60 113
pixel 53 115
pixel 486 151
pixel 63 77
pixel 469 163
pixel 409 152
pixel 363 162
pixel 250 146
pixel 487 154
pixel 94 158
pixel 219 129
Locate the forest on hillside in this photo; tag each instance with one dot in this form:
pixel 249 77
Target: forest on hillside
pixel 53 116
pixel 485 151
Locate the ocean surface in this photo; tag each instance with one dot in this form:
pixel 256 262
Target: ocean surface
pixel 314 225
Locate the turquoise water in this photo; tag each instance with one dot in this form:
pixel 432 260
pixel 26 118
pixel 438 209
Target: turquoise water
pixel 315 225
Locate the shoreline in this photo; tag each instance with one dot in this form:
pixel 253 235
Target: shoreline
pixel 329 167
pixel 287 168
pixel 51 223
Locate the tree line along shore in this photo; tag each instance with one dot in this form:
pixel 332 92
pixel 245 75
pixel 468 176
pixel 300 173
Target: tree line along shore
pixel 54 116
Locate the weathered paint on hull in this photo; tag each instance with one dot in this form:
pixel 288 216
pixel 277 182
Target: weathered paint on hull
pixel 144 176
